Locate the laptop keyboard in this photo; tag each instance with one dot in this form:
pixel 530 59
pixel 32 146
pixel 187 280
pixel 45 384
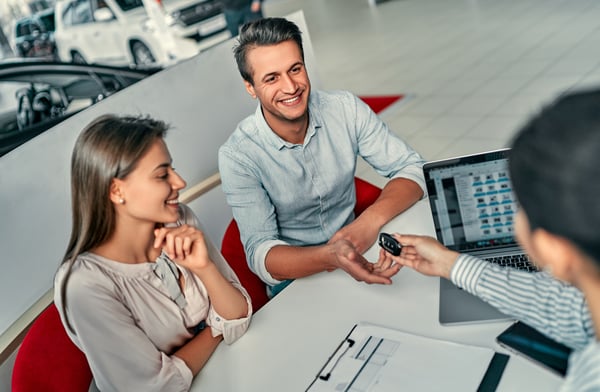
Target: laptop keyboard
pixel 520 262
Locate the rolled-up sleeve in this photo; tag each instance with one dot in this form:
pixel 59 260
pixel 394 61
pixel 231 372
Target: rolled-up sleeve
pixel 231 330
pixel 258 261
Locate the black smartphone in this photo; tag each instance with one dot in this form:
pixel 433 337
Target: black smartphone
pixel 390 244
pixel 536 346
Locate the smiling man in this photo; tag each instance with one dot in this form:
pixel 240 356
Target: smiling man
pixel 288 169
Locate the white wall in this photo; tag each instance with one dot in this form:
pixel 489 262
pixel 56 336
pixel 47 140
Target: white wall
pixel 203 98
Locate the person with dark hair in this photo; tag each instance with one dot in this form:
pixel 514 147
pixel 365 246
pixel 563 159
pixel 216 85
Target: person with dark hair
pixel 239 12
pixel 141 291
pixel 288 170
pixel 554 167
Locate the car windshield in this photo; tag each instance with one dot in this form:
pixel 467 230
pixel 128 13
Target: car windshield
pixel 48 21
pixel 127 5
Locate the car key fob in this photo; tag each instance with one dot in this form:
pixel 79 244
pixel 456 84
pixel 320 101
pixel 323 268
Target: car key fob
pixel 390 244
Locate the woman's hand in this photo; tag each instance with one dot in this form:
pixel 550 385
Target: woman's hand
pixel 184 244
pixel 423 254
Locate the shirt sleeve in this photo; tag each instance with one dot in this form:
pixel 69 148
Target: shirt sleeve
pixel 121 356
pixel 256 217
pixel 554 308
pixel 387 153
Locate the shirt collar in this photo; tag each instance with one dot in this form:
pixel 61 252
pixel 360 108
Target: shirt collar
pixel 314 123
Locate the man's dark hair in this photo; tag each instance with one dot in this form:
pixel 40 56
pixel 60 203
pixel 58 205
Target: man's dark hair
pixel 264 32
pixel 555 170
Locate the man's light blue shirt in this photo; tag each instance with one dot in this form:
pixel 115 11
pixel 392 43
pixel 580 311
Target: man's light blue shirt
pixel 301 194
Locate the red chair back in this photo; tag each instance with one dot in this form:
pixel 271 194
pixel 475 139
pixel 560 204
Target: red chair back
pixel 233 251
pixel 48 360
pixel 366 194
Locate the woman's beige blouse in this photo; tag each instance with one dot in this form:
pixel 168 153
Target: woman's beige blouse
pixel 127 325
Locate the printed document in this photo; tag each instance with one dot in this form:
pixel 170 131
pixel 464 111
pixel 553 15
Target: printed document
pixel 380 359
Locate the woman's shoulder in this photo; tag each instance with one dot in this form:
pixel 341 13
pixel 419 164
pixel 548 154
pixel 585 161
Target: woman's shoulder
pixel 85 279
pixel 86 269
pixel 93 272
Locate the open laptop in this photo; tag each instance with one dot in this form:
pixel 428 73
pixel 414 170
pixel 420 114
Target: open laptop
pixel 473 209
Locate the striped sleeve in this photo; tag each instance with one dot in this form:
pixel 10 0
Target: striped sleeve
pixel 554 308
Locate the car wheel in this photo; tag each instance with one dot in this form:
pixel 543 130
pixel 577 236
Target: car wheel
pixel 142 55
pixel 77 58
pixel 26 116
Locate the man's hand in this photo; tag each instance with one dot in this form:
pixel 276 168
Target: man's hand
pixel 360 233
pixel 351 261
pixel 421 253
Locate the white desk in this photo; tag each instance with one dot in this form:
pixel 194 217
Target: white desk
pixel 292 336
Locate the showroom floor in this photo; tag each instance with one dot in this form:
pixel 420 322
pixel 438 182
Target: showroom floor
pixel 472 70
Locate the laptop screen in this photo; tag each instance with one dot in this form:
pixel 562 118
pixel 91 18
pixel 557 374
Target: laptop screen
pixel 471 200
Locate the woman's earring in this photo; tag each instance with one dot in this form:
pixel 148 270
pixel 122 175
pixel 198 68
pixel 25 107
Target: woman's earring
pixel 121 201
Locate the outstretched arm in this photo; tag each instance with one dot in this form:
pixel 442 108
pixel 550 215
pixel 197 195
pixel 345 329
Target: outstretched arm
pixel 397 196
pixel 289 262
pixel 423 254
pixel 535 298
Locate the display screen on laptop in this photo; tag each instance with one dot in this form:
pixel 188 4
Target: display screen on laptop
pixel 472 202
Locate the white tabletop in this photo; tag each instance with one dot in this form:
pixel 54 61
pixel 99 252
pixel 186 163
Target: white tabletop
pixel 292 336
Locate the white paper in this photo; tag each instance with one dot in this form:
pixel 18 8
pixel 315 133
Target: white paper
pixel 387 360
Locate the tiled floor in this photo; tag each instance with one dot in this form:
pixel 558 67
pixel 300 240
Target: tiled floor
pixel 474 70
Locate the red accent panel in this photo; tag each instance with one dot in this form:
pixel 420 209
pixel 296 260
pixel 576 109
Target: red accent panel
pixel 378 103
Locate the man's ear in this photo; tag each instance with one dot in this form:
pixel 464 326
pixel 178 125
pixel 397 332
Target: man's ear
pixel 558 253
pixel 250 89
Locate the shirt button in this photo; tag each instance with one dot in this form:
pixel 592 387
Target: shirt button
pixel 218 318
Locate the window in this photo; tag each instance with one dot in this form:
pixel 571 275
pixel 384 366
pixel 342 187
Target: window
pixel 127 5
pixel 81 12
pixel 48 21
pixel 23 29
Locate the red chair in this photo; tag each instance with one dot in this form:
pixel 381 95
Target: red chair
pixel 48 360
pixel 233 250
pixel 366 194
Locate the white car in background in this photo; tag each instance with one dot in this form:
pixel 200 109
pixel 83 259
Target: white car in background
pixel 136 32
